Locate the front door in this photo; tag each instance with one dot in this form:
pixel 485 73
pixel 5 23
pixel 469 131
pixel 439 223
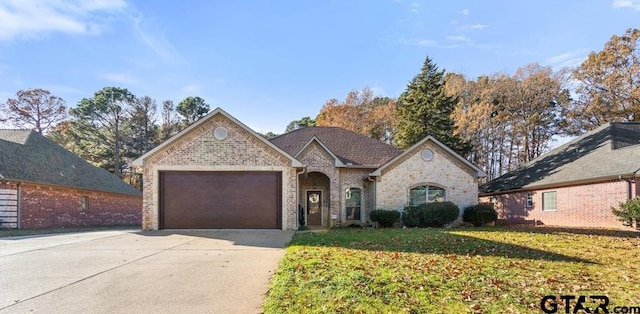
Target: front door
pixel 314 208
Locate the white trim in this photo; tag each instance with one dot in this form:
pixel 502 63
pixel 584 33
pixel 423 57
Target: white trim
pixel 343 202
pixel 140 160
pixel 479 173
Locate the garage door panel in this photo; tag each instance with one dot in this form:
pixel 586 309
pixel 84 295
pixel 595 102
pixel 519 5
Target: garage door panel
pixel 220 199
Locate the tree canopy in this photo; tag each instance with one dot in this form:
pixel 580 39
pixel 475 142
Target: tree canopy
pixel 508 119
pixel 361 112
pixel 35 109
pixel 425 108
pixel 609 85
pixel 100 121
pixel 191 109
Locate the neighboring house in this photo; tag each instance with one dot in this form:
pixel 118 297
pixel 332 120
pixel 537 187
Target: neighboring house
pixel 218 173
pixel 575 184
pixel 43 185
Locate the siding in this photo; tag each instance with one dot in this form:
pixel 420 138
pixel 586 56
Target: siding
pixel 586 205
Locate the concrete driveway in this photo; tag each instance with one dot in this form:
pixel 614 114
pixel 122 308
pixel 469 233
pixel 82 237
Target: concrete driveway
pixel 176 271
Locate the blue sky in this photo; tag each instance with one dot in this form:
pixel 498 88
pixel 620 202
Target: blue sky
pixel 270 62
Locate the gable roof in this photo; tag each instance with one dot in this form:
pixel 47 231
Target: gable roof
pixel 337 161
pixel 352 149
pixel 609 152
pixel 218 111
pixel 27 156
pixel 411 150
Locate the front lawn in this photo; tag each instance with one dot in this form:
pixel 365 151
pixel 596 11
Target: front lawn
pixel 481 270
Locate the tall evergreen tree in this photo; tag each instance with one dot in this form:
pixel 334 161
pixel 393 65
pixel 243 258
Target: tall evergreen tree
pixel 191 109
pixel 425 109
pixel 141 129
pixel 100 122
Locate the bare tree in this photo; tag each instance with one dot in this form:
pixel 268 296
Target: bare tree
pixel 36 109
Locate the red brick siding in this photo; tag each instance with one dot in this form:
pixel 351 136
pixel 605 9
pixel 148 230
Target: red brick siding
pixel 46 207
pixel 577 206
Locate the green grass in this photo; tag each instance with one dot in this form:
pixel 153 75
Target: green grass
pixel 477 270
pixel 26 232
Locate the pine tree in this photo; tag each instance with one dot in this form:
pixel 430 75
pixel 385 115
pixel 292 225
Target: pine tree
pixel 425 109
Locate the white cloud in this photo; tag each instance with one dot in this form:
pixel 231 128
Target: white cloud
pixel 425 43
pixel 458 38
pixel 567 59
pixel 465 12
pixel 415 7
pixel 633 4
pixel 155 40
pixel 33 19
pixel 191 88
pixel 120 78
pixel 467 27
pixel 479 26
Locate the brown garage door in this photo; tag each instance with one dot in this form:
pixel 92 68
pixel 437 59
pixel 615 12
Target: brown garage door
pixel 221 199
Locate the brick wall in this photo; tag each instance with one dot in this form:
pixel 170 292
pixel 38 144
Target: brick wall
pixel 356 178
pixel 442 170
pixel 317 159
pixel 46 207
pixel 199 150
pixel 577 206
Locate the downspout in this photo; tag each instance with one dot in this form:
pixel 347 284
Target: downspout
pixel 630 183
pixel 373 193
pixel 18 203
pixel 298 196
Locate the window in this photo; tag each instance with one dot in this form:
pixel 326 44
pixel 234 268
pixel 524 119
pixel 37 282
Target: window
pixel 85 203
pixel 425 194
pixel 550 201
pixel 529 200
pixel 353 201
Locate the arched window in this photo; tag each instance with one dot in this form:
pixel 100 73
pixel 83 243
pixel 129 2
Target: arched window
pixel 353 203
pixel 426 194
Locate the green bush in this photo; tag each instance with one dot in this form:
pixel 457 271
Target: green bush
pixel 411 216
pixel 430 214
pixel 629 211
pixel 385 218
pixel 479 215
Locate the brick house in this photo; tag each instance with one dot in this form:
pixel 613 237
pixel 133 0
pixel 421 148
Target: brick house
pixel 218 173
pixel 575 184
pixel 43 185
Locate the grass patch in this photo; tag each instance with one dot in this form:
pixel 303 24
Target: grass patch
pixel 481 270
pixel 25 232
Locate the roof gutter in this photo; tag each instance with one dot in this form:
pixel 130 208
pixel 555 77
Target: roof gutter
pixel 563 184
pixel 20 182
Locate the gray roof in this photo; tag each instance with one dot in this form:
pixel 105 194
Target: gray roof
pixel 350 147
pixel 28 156
pixel 608 152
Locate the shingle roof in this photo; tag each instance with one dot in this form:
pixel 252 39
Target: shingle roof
pixel 350 147
pixel 28 156
pixel 607 152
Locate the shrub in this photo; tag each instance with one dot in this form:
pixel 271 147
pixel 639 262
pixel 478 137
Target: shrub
pixel 629 211
pixel 479 215
pixel 430 214
pixel 411 216
pixel 385 218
